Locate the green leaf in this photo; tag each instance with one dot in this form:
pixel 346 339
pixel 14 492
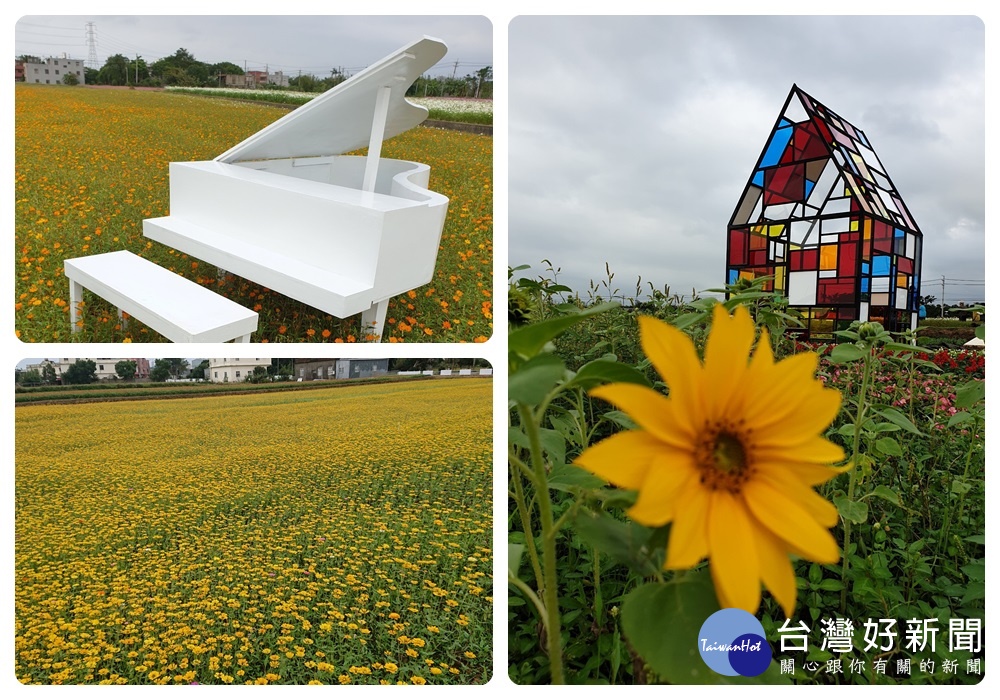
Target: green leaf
pixel 976 571
pixel 960 417
pixel 969 394
pixel 976 590
pixel 567 477
pixel 514 553
pixel 886 494
pixel 846 352
pixel 886 428
pixel 534 379
pixel 605 371
pixel 893 415
pixel 662 622
pixel 981 333
pixel 622 419
pixel 855 511
pixel 516 437
pixel 888 446
pixel 529 340
pixel 976 539
pixel 554 444
pixel 623 542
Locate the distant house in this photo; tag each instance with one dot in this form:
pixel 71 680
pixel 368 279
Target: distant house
pixel 255 78
pixel 234 369
pixel 340 368
pixel 52 71
pixel 18 71
pixel 105 366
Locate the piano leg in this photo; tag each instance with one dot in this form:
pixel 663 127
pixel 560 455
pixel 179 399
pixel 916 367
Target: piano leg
pixel 75 297
pixel 373 320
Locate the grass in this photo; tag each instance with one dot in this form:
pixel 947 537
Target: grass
pixel 90 165
pixel 293 538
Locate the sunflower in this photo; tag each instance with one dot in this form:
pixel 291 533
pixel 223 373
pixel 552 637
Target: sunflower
pixel 729 458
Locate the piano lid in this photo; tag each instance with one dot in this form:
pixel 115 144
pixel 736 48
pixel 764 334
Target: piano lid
pixel 340 119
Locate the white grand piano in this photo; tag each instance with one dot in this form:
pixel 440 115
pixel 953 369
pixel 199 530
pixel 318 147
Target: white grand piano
pixel 287 210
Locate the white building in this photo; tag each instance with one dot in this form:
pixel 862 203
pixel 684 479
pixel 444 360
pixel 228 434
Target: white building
pixel 53 70
pixel 105 366
pixel 234 369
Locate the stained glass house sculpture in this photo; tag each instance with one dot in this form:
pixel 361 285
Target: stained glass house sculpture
pixel 822 217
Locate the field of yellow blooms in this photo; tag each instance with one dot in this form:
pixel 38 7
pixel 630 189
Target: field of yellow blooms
pixel 91 164
pixel 330 536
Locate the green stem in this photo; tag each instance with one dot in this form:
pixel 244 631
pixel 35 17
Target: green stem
pixel 853 474
pixel 550 592
pixel 529 538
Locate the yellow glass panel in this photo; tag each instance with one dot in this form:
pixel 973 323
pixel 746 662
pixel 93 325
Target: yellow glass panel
pixel 775 230
pixel 746 275
pixel 901 282
pixel 868 228
pixel 779 279
pixel 828 257
pixel 854 225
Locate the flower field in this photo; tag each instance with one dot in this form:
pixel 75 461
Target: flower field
pixel 90 165
pixel 328 536
pixel 671 460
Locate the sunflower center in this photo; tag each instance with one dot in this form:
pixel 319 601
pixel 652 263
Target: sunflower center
pixel 724 455
pixel 729 454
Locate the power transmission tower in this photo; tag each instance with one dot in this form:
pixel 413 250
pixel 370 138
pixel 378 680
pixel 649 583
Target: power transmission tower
pixel 91 47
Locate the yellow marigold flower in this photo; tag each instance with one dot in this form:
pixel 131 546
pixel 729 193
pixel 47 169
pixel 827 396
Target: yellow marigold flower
pixel 391 667
pixel 418 680
pixel 730 457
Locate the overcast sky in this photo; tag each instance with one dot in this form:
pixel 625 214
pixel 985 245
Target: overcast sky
pixel 310 44
pixel 632 138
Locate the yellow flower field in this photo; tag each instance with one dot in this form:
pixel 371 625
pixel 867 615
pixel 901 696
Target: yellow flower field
pixel 330 536
pixel 91 164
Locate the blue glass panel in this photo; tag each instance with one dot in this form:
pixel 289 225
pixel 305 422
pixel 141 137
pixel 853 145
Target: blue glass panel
pixel 785 122
pixel 809 187
pixel 776 147
pixel 865 268
pixel 758 178
pixel 899 233
pixel 733 276
pixel 881 265
pixel 864 284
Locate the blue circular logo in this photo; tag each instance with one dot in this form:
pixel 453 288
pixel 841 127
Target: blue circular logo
pixel 732 643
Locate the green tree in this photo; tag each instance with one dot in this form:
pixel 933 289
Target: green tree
pixel 126 369
pixel 49 373
pixel 70 79
pixel 160 371
pixel 81 372
pixel 114 71
pixel 482 77
pixel 200 372
pixel 303 83
pixel 177 366
pixel 32 377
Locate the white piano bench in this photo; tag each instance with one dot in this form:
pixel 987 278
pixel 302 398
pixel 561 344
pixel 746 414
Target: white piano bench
pixel 179 309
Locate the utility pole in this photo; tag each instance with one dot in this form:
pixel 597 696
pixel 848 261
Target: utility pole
pixel 137 69
pixel 942 296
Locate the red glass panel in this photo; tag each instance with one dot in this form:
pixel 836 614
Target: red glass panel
pixel 835 291
pixel 737 248
pixel 758 242
pixel 905 265
pixel 847 258
pixel 758 257
pixel 883 245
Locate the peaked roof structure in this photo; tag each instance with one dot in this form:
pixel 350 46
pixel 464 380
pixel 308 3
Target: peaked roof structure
pixel 821 215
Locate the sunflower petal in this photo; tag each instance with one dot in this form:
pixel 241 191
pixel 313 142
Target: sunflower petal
pixel 674 356
pixel 726 353
pixel 813 450
pixel 622 459
pixel 820 509
pixel 658 495
pixel 649 408
pixel 733 552
pixel 789 521
pixel 688 543
pixel 775 569
pixel 810 412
